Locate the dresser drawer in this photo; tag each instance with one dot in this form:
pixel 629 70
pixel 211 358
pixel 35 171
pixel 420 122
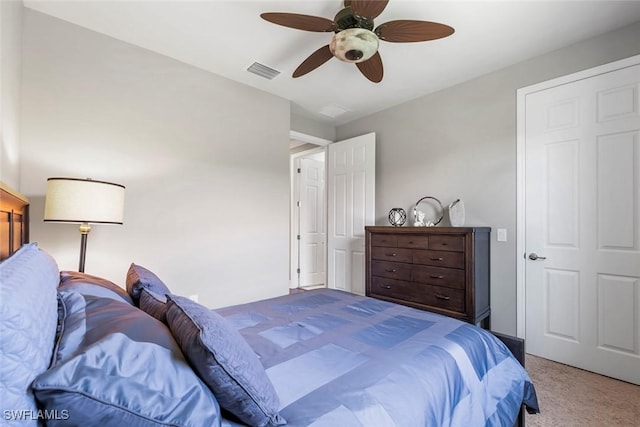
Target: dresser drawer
pixel 439 258
pixel 392 254
pixel 442 242
pixel 391 288
pixel 439 276
pixel 391 270
pixel 384 240
pixel 433 296
pixel 413 242
pixel 441 297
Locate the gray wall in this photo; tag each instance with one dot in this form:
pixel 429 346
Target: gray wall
pixel 461 143
pixel 313 127
pixel 10 39
pixel 204 160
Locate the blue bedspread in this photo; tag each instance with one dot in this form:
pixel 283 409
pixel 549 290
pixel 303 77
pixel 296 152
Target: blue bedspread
pixel 341 360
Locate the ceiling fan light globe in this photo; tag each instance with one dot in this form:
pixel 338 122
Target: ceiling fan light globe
pixel 354 45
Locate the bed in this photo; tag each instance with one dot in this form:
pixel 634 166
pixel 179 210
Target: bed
pixel 79 350
pixel 342 359
pixel 14 220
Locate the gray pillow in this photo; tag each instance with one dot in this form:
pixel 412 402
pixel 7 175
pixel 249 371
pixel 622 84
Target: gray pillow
pixel 139 278
pixel 225 362
pixel 115 365
pixel 86 284
pixel 154 304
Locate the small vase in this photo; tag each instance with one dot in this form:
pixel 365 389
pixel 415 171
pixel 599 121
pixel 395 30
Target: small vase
pixel 397 217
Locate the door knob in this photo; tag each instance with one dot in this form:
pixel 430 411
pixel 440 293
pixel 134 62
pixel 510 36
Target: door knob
pixel 534 256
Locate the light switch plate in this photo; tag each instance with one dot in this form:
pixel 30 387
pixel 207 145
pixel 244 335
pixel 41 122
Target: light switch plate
pixel 502 235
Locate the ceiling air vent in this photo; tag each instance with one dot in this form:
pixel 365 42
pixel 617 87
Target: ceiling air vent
pixel 333 111
pixel 263 71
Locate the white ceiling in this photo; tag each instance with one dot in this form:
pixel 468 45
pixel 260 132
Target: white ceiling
pixel 226 37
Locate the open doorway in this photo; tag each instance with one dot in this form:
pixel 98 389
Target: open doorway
pixel 328 220
pixel 308 212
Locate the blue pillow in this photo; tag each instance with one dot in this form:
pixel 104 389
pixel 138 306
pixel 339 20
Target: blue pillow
pixel 114 365
pixel 28 321
pixel 139 278
pixel 224 361
pixel 86 284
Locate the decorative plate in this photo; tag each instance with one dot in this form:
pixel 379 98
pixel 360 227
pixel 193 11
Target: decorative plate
pixel 432 216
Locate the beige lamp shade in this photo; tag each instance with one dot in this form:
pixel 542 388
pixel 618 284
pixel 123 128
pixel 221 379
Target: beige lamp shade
pixel 84 201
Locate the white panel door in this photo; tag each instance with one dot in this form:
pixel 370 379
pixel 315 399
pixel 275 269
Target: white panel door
pixel 312 223
pixel 351 206
pixel 582 219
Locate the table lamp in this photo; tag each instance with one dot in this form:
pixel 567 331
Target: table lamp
pixel 83 201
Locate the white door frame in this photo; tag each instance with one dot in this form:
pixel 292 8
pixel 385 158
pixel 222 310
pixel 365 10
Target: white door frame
pixel 520 171
pixel 293 226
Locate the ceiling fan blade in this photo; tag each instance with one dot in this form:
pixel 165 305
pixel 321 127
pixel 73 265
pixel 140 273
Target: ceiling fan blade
pixel 299 22
pixel 372 68
pixel 314 60
pixel 368 8
pixel 403 31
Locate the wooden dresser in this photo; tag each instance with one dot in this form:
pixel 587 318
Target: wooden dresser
pixel 440 269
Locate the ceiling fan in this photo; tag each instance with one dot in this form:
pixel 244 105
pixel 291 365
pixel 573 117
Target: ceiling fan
pixel 356 40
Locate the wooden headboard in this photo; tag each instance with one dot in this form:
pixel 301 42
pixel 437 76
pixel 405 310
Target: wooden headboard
pixel 14 221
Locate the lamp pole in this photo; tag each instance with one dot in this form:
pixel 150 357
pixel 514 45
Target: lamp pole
pixel 85 228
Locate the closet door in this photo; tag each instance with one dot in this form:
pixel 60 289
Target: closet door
pixel 582 223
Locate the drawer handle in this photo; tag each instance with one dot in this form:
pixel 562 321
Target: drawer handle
pixel 437 259
pixel 391 270
pixel 443 297
pixel 435 276
pixel 392 254
pixel 386 286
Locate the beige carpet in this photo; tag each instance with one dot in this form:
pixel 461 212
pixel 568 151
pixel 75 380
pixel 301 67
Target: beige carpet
pixel 572 397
